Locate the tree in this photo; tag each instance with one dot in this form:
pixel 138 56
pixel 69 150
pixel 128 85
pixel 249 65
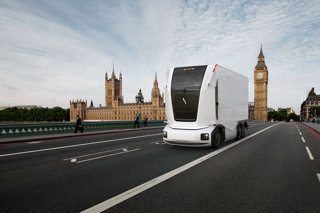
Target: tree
pixel 36 114
pixel 293 116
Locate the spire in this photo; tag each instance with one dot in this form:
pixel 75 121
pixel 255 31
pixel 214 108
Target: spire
pixel 120 75
pixel 106 75
pixel 155 80
pixel 260 63
pixel 312 92
pixel 113 69
pixel 261 53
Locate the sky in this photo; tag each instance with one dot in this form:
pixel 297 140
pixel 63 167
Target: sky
pixel 55 51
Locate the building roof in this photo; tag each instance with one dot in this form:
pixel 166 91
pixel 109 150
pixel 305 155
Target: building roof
pixel 260 64
pixel 313 96
pixel 261 53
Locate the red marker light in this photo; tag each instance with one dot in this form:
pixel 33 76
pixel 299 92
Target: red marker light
pixel 215 67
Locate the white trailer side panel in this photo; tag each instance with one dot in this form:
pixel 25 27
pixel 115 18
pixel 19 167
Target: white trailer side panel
pixel 232 97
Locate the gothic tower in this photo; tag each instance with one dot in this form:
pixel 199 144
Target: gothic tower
pixel 261 89
pixel 113 90
pixel 78 107
pixel 156 97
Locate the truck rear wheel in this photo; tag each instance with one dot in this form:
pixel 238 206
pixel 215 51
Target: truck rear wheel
pixel 239 131
pixel 216 139
pixel 243 131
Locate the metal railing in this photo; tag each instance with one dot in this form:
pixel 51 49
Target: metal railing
pixel 16 130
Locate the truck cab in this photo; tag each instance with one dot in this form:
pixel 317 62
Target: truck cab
pixel 205 105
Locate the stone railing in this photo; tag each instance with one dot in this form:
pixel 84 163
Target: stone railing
pixel 16 130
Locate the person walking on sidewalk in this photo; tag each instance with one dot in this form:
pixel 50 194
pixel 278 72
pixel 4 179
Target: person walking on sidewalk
pixel 145 122
pixel 136 121
pixel 78 125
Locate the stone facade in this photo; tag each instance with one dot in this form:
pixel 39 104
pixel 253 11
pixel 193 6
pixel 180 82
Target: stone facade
pixel 313 100
pixel 116 109
pixel 251 110
pixel 261 89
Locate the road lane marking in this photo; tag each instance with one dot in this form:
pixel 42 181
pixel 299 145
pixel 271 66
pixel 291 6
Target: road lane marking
pixel 318 175
pixel 302 138
pixel 137 190
pixel 77 145
pixel 34 142
pixel 156 142
pixel 104 156
pixel 300 133
pixel 97 153
pixel 309 153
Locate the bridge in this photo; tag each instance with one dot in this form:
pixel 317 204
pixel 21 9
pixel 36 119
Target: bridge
pixel 276 167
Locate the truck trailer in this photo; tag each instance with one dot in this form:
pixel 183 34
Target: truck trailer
pixel 205 105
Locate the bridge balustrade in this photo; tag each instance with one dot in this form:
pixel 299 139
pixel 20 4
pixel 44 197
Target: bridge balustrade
pixel 15 130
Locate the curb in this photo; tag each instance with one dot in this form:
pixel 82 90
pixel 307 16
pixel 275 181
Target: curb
pixel 317 131
pixel 79 135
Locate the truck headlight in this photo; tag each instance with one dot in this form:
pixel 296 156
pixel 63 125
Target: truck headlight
pixel 165 134
pixel 205 136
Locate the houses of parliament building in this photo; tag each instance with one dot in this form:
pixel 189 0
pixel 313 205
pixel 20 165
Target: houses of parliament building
pixel 116 109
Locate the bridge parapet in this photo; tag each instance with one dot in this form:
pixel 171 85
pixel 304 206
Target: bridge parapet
pixel 16 130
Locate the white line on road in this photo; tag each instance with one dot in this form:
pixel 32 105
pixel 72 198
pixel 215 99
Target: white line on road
pixel 34 142
pixel 300 133
pixel 97 153
pixel 156 142
pixel 318 175
pixel 104 156
pixel 309 153
pixel 302 138
pixel 77 145
pixel 137 190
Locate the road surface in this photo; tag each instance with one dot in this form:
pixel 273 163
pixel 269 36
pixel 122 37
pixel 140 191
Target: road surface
pixel 274 169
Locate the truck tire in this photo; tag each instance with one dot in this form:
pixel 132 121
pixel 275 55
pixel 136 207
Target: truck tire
pixel 216 139
pixel 243 131
pixel 239 131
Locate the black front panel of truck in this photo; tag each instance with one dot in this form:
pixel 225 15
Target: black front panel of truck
pixel 185 92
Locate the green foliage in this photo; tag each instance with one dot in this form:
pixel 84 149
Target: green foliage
pixel 36 114
pixel 282 116
pixel 293 116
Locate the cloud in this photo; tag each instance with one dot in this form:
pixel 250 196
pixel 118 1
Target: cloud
pixel 60 50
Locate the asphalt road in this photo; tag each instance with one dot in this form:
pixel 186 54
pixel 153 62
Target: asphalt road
pixel 273 171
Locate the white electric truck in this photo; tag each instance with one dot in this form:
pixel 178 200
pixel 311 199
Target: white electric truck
pixel 205 105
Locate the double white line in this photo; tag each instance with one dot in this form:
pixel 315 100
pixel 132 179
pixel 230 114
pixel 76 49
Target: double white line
pixel 122 151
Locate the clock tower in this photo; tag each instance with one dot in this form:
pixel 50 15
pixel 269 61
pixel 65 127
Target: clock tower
pixel 261 89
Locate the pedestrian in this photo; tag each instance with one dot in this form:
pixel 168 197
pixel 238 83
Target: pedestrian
pixel 78 125
pixel 136 121
pixel 145 122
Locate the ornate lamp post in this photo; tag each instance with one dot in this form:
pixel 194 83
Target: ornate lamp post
pixel 139 100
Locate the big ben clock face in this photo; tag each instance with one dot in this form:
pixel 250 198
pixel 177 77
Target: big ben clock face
pixel 259 75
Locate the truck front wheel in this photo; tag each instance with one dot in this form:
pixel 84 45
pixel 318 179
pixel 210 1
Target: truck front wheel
pixel 216 139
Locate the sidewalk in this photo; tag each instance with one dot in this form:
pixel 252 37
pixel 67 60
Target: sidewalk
pixel 314 126
pixel 68 135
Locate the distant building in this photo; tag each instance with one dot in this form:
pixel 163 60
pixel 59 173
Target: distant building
pixel 289 110
pixel 116 109
pixel 251 110
pixel 313 100
pixel 3 107
pixel 270 109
